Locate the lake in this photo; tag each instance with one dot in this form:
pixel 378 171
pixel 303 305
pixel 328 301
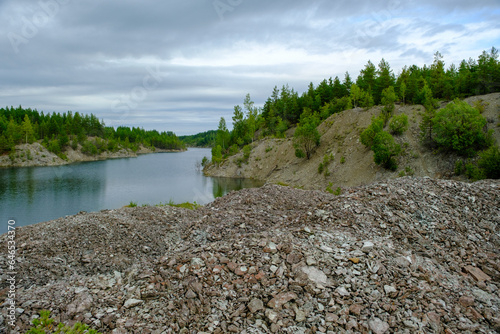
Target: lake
pixel 37 194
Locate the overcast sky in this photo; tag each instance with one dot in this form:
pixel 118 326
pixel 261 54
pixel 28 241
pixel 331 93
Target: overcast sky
pixel 181 65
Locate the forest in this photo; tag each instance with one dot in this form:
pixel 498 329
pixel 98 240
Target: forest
pixel 375 85
pixel 58 131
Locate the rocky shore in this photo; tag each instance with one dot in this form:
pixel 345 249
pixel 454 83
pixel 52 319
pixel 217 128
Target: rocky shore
pixel 36 155
pixel 411 255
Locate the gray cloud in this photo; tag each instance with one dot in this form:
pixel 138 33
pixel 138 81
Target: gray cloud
pixel 89 56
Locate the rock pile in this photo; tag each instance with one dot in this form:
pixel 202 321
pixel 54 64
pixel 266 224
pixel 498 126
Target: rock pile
pixel 412 255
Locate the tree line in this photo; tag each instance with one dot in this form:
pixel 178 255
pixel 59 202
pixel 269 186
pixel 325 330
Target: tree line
pixel 375 85
pixel 58 131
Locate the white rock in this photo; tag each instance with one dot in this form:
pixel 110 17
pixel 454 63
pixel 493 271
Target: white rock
pixel 342 291
pixel 315 275
pixel 389 289
pixel 367 246
pixel 132 303
pixel 378 326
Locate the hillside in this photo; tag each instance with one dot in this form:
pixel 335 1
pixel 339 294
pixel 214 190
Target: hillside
pixel 411 255
pixel 274 160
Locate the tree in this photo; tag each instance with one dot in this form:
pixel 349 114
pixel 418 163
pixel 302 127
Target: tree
pixel 388 99
pixel 459 127
pixel 223 135
pixel 399 124
pixel 306 135
pixel 426 126
pixel 356 95
pixel 217 155
pixel 385 150
pixel 384 80
pixel 402 91
pixel 27 128
pixel 369 134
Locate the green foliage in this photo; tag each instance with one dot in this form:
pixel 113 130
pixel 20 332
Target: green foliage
pixel 489 162
pixel 398 124
pixel 459 127
pixel 408 171
pixel 473 172
pixel 323 166
pixel 45 325
pixel 203 139
pixel 306 136
pixel 132 204
pixel 204 161
pixel 89 148
pixel 217 155
pixel 185 205
pixel 299 153
pixel 54 146
pixel 368 135
pixel 342 160
pixel 385 150
pixel 336 192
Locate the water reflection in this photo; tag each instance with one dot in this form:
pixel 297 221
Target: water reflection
pixel 37 194
pixel 223 185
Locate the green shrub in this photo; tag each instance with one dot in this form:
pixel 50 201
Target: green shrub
pixel 204 161
pixel 217 155
pixel 368 135
pixel 473 172
pixel 54 146
pixel 489 162
pixel 89 148
pixel 459 167
pixel 385 150
pixel 45 325
pixel 399 124
pixel 320 168
pixel 342 160
pixel 459 127
pixel 299 153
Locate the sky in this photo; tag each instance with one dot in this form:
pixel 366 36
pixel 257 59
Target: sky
pixel 181 65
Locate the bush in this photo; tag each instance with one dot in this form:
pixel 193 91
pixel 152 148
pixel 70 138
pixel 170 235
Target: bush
pixel 489 162
pixel 385 150
pixel 299 153
pixel 89 148
pixel 459 127
pixel 368 135
pixel 54 146
pixel 399 124
pixel 44 325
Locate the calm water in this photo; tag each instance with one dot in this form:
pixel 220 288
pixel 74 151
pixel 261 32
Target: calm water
pixel 37 194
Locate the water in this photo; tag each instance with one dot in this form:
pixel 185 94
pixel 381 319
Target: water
pixel 36 194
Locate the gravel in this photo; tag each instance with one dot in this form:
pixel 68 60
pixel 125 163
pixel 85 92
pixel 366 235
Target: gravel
pixel 411 255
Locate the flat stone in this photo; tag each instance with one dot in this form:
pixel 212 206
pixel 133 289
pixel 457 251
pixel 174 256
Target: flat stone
pixel 367 246
pixel 315 275
pixel 255 305
pixel 356 309
pixel 466 301
pixel 132 303
pixel 378 326
pixel 281 299
pixel 477 273
pixel 342 291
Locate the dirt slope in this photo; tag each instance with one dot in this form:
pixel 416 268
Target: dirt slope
pixel 274 160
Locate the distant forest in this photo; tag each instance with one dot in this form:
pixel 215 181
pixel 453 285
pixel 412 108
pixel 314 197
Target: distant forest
pixel 414 85
pixel 57 131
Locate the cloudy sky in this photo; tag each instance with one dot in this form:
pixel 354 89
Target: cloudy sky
pixel 181 65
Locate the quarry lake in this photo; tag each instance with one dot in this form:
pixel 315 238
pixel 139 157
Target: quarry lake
pixel 37 194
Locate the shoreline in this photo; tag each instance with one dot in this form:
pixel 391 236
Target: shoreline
pixel 36 155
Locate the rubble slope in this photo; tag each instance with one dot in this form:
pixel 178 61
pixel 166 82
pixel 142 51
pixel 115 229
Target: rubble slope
pixel 411 255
